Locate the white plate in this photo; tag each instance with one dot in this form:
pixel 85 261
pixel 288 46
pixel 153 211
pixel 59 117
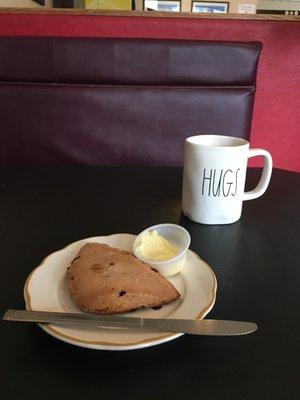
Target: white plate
pixel 46 289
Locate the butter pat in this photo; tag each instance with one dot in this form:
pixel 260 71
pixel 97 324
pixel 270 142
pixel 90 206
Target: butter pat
pixel 155 247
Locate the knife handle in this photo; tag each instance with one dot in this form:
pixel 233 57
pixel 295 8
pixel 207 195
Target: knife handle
pixel 57 317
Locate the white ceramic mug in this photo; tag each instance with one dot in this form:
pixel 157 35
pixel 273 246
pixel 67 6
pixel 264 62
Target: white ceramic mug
pixel 214 177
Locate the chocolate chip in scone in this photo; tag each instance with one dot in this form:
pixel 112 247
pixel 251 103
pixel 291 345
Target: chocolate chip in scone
pixel 156 307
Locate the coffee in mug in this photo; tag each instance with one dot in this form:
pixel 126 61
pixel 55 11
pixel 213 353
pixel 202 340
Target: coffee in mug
pixel 214 175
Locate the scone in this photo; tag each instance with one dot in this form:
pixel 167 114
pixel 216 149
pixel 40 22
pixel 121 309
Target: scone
pixel 106 280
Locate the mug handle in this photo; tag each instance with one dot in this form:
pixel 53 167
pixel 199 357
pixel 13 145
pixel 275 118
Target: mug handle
pixel 265 177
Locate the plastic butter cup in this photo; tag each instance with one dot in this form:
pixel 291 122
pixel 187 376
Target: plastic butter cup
pixel 176 235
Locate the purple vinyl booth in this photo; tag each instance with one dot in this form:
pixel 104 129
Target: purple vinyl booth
pixel 93 101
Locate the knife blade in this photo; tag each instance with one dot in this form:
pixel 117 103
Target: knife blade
pixel 211 327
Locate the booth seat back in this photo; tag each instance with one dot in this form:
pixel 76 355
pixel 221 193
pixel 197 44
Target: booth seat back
pixel 94 101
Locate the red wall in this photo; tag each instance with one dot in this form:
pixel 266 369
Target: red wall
pixel 277 102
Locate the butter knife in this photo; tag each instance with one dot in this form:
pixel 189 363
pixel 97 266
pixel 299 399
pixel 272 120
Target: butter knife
pixel 211 327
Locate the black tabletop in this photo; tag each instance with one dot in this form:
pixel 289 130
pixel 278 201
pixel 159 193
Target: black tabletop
pixel 256 261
